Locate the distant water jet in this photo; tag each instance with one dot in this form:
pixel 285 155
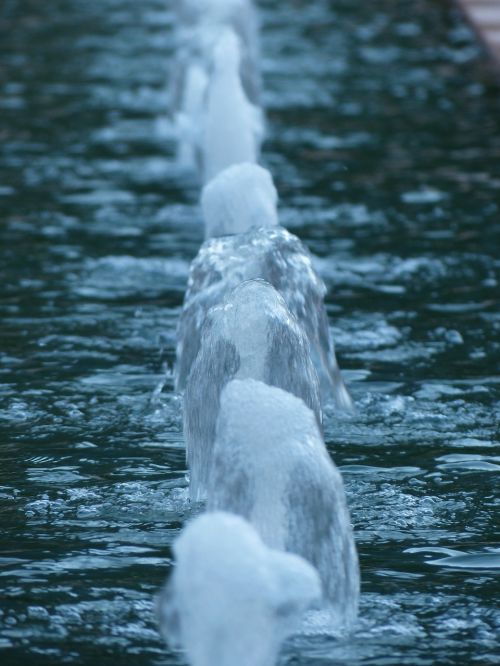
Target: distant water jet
pixel 198 27
pixel 190 117
pixel 198 24
pixel 232 126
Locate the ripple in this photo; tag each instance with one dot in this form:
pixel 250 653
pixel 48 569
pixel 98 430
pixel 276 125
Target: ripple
pixel 457 560
pixel 121 277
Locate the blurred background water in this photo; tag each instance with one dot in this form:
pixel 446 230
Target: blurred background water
pixel 384 140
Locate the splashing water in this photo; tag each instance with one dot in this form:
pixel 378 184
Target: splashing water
pixel 365 103
pixel 270 347
pixel 270 465
pixel 278 257
pixel 230 599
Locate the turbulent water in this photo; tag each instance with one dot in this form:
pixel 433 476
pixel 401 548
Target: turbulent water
pixel 383 135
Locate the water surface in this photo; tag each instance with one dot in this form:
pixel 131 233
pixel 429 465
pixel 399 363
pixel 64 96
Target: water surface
pixel 384 140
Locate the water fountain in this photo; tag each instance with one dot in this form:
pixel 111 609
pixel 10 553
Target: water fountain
pixel 253 202
pixel 231 599
pixel 244 199
pixel 271 466
pixel 232 127
pixel 251 334
pixel 197 28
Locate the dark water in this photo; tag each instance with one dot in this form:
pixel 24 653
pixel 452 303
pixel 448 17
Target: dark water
pixel 384 139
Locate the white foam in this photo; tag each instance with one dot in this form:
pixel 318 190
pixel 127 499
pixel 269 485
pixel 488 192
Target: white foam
pixel 270 465
pixel 239 198
pixel 231 600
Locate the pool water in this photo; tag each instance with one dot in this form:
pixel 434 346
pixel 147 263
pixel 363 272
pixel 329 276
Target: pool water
pixel 383 135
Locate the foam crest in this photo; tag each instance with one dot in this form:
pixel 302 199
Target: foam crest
pixel 239 198
pixel 231 600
